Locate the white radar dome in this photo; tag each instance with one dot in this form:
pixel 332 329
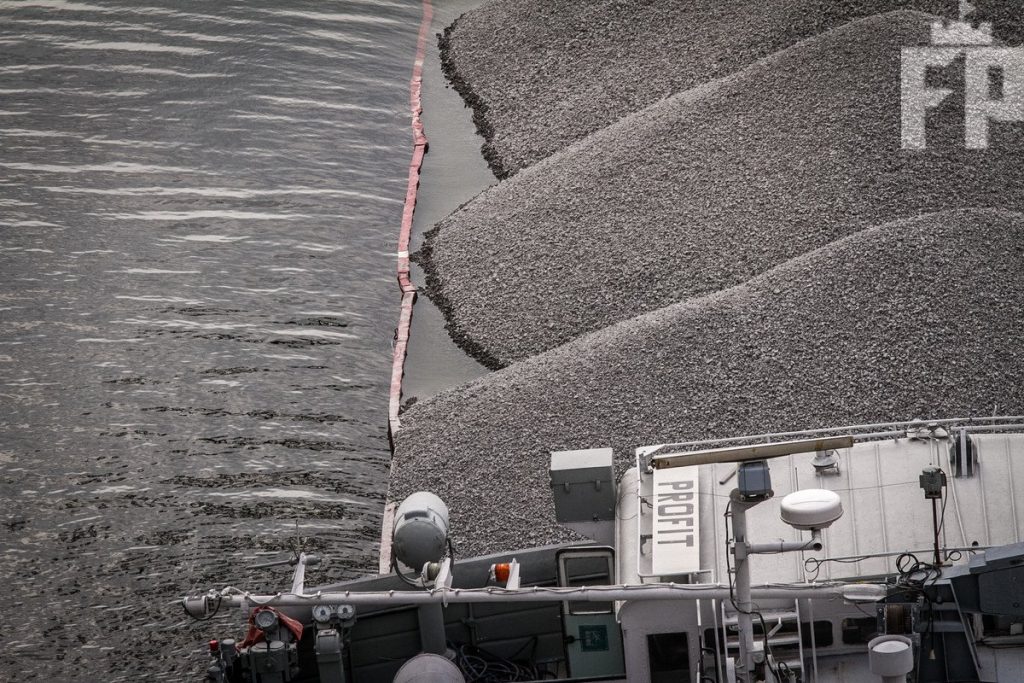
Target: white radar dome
pixel 421 530
pixel 811 509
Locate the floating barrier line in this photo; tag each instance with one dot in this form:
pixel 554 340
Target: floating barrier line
pixel 405 284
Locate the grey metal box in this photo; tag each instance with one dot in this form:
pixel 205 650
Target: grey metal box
pixel 582 485
pixel 755 479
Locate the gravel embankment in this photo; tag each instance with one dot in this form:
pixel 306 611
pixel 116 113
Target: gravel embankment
pixel 542 74
pixel 916 318
pixel 706 189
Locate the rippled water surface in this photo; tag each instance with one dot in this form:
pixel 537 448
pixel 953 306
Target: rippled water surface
pixel 198 207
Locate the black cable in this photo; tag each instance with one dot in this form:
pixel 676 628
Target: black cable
pixel 942 513
pixel 403 577
pixel 908 566
pixel 901 558
pixel 907 571
pixel 480 666
pixel 815 563
pixel 207 618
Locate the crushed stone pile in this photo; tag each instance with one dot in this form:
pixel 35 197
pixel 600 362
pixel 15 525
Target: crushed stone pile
pixel 706 189
pixel 542 74
pixel 914 318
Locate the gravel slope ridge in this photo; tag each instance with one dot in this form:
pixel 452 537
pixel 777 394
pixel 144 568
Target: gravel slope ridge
pixel 542 74
pixel 915 318
pixel 706 189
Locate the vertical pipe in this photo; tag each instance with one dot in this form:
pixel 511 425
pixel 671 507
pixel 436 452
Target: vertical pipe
pixel 721 648
pixel 800 632
pixel 743 604
pixel 814 641
pixel 431 622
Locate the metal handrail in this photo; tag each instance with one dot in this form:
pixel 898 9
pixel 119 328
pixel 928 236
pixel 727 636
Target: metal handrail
pixel 892 429
pixel 201 605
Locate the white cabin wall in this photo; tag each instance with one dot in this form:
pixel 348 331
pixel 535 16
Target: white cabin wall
pixel 885 510
pixel 640 619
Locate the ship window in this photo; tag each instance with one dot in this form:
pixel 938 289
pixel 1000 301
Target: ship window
pixel 669 655
pixel 586 567
pixel 997 626
pixel 822 633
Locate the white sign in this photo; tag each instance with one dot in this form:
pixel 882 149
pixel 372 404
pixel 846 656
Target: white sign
pixel 676 520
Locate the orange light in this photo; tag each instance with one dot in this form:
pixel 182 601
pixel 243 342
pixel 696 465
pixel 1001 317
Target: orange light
pixel 502 572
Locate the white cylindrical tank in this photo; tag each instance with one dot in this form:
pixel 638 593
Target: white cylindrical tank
pixel 891 657
pixel 420 533
pixel 429 668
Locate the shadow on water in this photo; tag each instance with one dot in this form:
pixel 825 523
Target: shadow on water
pixel 198 210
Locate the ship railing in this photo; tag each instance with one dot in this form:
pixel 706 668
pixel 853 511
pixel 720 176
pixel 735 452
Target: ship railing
pixel 860 433
pixel 205 605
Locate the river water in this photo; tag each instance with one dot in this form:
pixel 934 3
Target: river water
pixel 198 211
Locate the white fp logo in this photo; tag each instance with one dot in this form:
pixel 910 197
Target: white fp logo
pixel 981 59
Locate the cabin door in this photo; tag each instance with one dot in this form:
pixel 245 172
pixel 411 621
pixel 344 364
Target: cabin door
pixel 593 638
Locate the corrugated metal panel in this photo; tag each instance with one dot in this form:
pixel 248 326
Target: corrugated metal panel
pixel 885 508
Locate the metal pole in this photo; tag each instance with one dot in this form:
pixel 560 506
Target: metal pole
pixel 743 604
pixel 431 621
pixel 784 547
pixel 636 593
pixel 935 529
